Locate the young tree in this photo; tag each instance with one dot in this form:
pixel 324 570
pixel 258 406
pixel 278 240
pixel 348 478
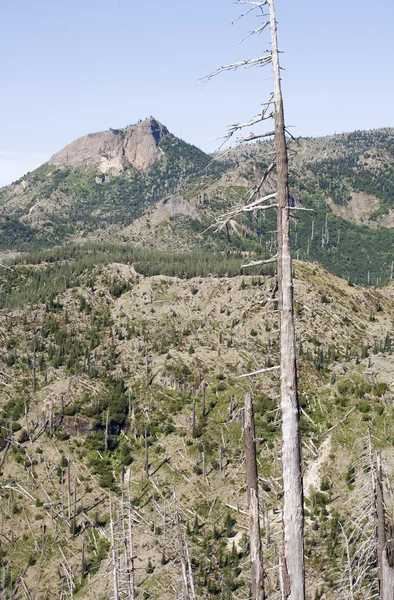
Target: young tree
pixel 293 501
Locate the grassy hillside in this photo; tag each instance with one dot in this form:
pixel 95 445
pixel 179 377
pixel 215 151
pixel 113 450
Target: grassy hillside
pixel 120 389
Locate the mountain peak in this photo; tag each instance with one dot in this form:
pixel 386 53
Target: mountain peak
pixel 141 143
pixel 112 150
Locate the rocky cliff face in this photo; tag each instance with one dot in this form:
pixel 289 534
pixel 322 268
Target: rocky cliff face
pixel 110 151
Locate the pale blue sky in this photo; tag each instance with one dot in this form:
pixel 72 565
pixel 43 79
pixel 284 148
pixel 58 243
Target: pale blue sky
pixel 70 67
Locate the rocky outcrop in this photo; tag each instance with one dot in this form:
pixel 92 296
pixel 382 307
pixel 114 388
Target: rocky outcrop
pixel 141 144
pixel 75 426
pixel 110 151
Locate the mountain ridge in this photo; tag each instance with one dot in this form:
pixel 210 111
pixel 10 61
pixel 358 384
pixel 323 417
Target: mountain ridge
pixel 119 186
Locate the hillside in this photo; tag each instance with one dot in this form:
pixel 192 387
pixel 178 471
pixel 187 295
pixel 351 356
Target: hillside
pixel 98 185
pixel 354 171
pixel 120 389
pixel 144 186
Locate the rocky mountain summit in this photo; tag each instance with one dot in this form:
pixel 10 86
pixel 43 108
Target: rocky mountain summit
pixel 111 151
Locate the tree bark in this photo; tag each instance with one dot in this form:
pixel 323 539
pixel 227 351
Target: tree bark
pixel 256 559
pixel 130 561
pixel 194 418
pixel 74 522
pixel 83 560
pixel 293 501
pixel 69 487
pixel 380 524
pixel 388 571
pixel 203 388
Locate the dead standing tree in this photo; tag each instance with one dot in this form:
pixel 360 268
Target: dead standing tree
pixel 293 573
pixel 377 482
pixel 362 553
pixel 256 558
pixel 388 568
pixel 293 502
pixel 385 550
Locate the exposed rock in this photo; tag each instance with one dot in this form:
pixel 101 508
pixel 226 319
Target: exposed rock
pixel 77 425
pixel 88 150
pixel 171 206
pixel 166 209
pixel 358 209
pixel 141 145
pixel 112 150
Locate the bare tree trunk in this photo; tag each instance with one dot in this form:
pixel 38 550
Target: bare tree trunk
pixel 8 444
pixel 113 552
pixel 380 524
pixel 74 524
pixel 69 487
pixel 154 513
pixel 388 571
pixel 146 368
pixel 43 532
pixel 185 586
pixel 256 559
pixel 146 453
pixel 26 413
pixel 194 418
pixel 34 367
pixel 131 552
pixel 293 501
pixel 106 431
pixel 190 573
pixel 349 567
pixel 51 419
pixel 83 560
pixel 221 462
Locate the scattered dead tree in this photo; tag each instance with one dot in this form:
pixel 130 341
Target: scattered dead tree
pixel 359 575
pixel 380 522
pixel 279 199
pixel 131 568
pixel 187 575
pixel 115 574
pixel 385 550
pixel 388 568
pixel 256 558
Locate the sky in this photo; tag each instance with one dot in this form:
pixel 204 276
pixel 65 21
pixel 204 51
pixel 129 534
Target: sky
pixel 71 67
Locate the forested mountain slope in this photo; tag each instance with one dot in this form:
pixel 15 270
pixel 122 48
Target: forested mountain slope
pixel 144 186
pixel 98 185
